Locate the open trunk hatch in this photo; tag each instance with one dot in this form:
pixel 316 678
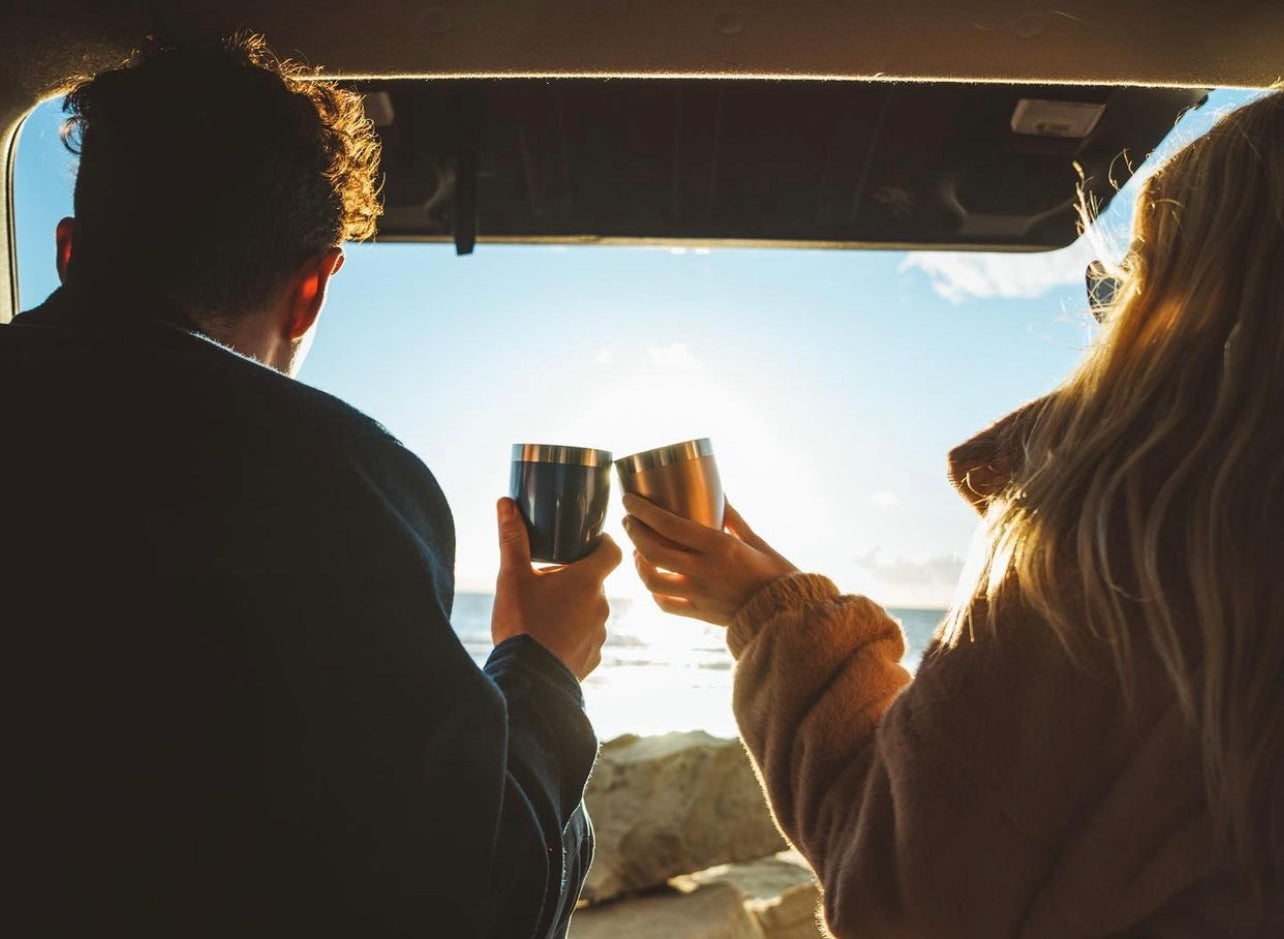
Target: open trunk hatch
pixel 805 163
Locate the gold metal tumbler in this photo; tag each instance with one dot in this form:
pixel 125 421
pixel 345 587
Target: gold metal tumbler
pixel 682 477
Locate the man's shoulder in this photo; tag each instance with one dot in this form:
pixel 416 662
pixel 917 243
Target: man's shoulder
pixel 202 387
pixel 289 424
pixel 294 411
pixel 187 436
pixel 168 402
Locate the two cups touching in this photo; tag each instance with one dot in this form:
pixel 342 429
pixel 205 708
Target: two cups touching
pixel 562 492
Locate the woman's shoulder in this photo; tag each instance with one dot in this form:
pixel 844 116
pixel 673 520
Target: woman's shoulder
pixel 983 465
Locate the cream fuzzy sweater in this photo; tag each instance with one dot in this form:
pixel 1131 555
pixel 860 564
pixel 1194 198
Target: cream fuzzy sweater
pixel 1004 791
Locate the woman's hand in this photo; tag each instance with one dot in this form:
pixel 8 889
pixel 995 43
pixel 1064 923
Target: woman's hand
pixel 696 571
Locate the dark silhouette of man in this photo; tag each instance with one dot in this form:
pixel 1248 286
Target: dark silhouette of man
pixel 235 705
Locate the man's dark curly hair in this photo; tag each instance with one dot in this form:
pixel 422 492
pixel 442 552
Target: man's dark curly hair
pixel 209 172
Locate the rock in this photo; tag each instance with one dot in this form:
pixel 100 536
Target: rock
pixel 795 914
pixel 779 892
pixel 673 804
pixel 771 898
pixel 712 911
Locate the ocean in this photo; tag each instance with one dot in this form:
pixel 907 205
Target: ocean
pixel 661 673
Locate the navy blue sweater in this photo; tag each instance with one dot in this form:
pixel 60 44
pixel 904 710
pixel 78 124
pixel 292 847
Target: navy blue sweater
pixel 234 704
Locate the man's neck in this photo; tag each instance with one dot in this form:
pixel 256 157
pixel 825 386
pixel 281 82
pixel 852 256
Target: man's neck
pixel 254 335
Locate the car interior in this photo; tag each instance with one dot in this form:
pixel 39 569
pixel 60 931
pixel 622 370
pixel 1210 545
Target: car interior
pixel 976 126
pixel 820 123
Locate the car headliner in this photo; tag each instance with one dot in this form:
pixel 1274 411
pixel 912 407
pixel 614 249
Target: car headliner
pixel 1178 42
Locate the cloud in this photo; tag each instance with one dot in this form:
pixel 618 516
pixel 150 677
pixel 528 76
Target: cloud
pixel 675 356
pixel 934 572
pixel 883 499
pixel 959 275
pixel 604 357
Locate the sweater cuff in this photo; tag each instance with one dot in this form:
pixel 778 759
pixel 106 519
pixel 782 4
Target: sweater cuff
pixel 552 746
pixel 789 592
pixel 523 653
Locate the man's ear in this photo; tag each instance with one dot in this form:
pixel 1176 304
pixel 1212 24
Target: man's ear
pixel 307 295
pixel 63 238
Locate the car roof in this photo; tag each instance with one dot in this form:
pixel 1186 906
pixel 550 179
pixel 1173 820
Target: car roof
pixel 1077 42
pixel 1180 42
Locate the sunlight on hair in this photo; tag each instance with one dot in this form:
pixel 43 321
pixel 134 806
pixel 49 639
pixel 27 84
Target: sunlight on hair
pixel 1145 496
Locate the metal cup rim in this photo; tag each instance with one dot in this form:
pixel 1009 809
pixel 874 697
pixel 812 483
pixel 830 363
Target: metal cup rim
pixel 560 453
pixel 664 456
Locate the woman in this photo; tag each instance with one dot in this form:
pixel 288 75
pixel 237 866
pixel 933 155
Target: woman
pixel 1092 746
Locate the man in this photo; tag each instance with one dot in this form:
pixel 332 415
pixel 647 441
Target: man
pixel 237 707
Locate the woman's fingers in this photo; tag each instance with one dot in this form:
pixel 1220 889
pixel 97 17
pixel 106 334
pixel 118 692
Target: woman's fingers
pixel 658 581
pixel 681 530
pixel 678 606
pixel 659 551
pixel 735 523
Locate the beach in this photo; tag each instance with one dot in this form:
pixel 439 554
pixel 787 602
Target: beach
pixel 661 673
pixel 686 845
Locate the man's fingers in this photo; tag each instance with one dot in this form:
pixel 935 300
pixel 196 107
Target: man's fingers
pixel 605 558
pixel 514 542
pixel 657 550
pixel 658 581
pixel 681 531
pixel 608 555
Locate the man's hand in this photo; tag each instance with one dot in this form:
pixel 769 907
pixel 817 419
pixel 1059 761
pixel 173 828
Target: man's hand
pixel 696 571
pixel 564 609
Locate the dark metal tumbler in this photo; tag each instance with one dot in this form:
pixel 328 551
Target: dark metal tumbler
pixel 562 493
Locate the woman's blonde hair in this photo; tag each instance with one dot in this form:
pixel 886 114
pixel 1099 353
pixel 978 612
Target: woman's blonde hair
pixel 1149 502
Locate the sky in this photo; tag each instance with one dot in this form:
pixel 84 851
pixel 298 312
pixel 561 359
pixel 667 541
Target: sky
pixel 832 383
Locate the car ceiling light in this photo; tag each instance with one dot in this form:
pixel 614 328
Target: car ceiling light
pixel 1056 118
